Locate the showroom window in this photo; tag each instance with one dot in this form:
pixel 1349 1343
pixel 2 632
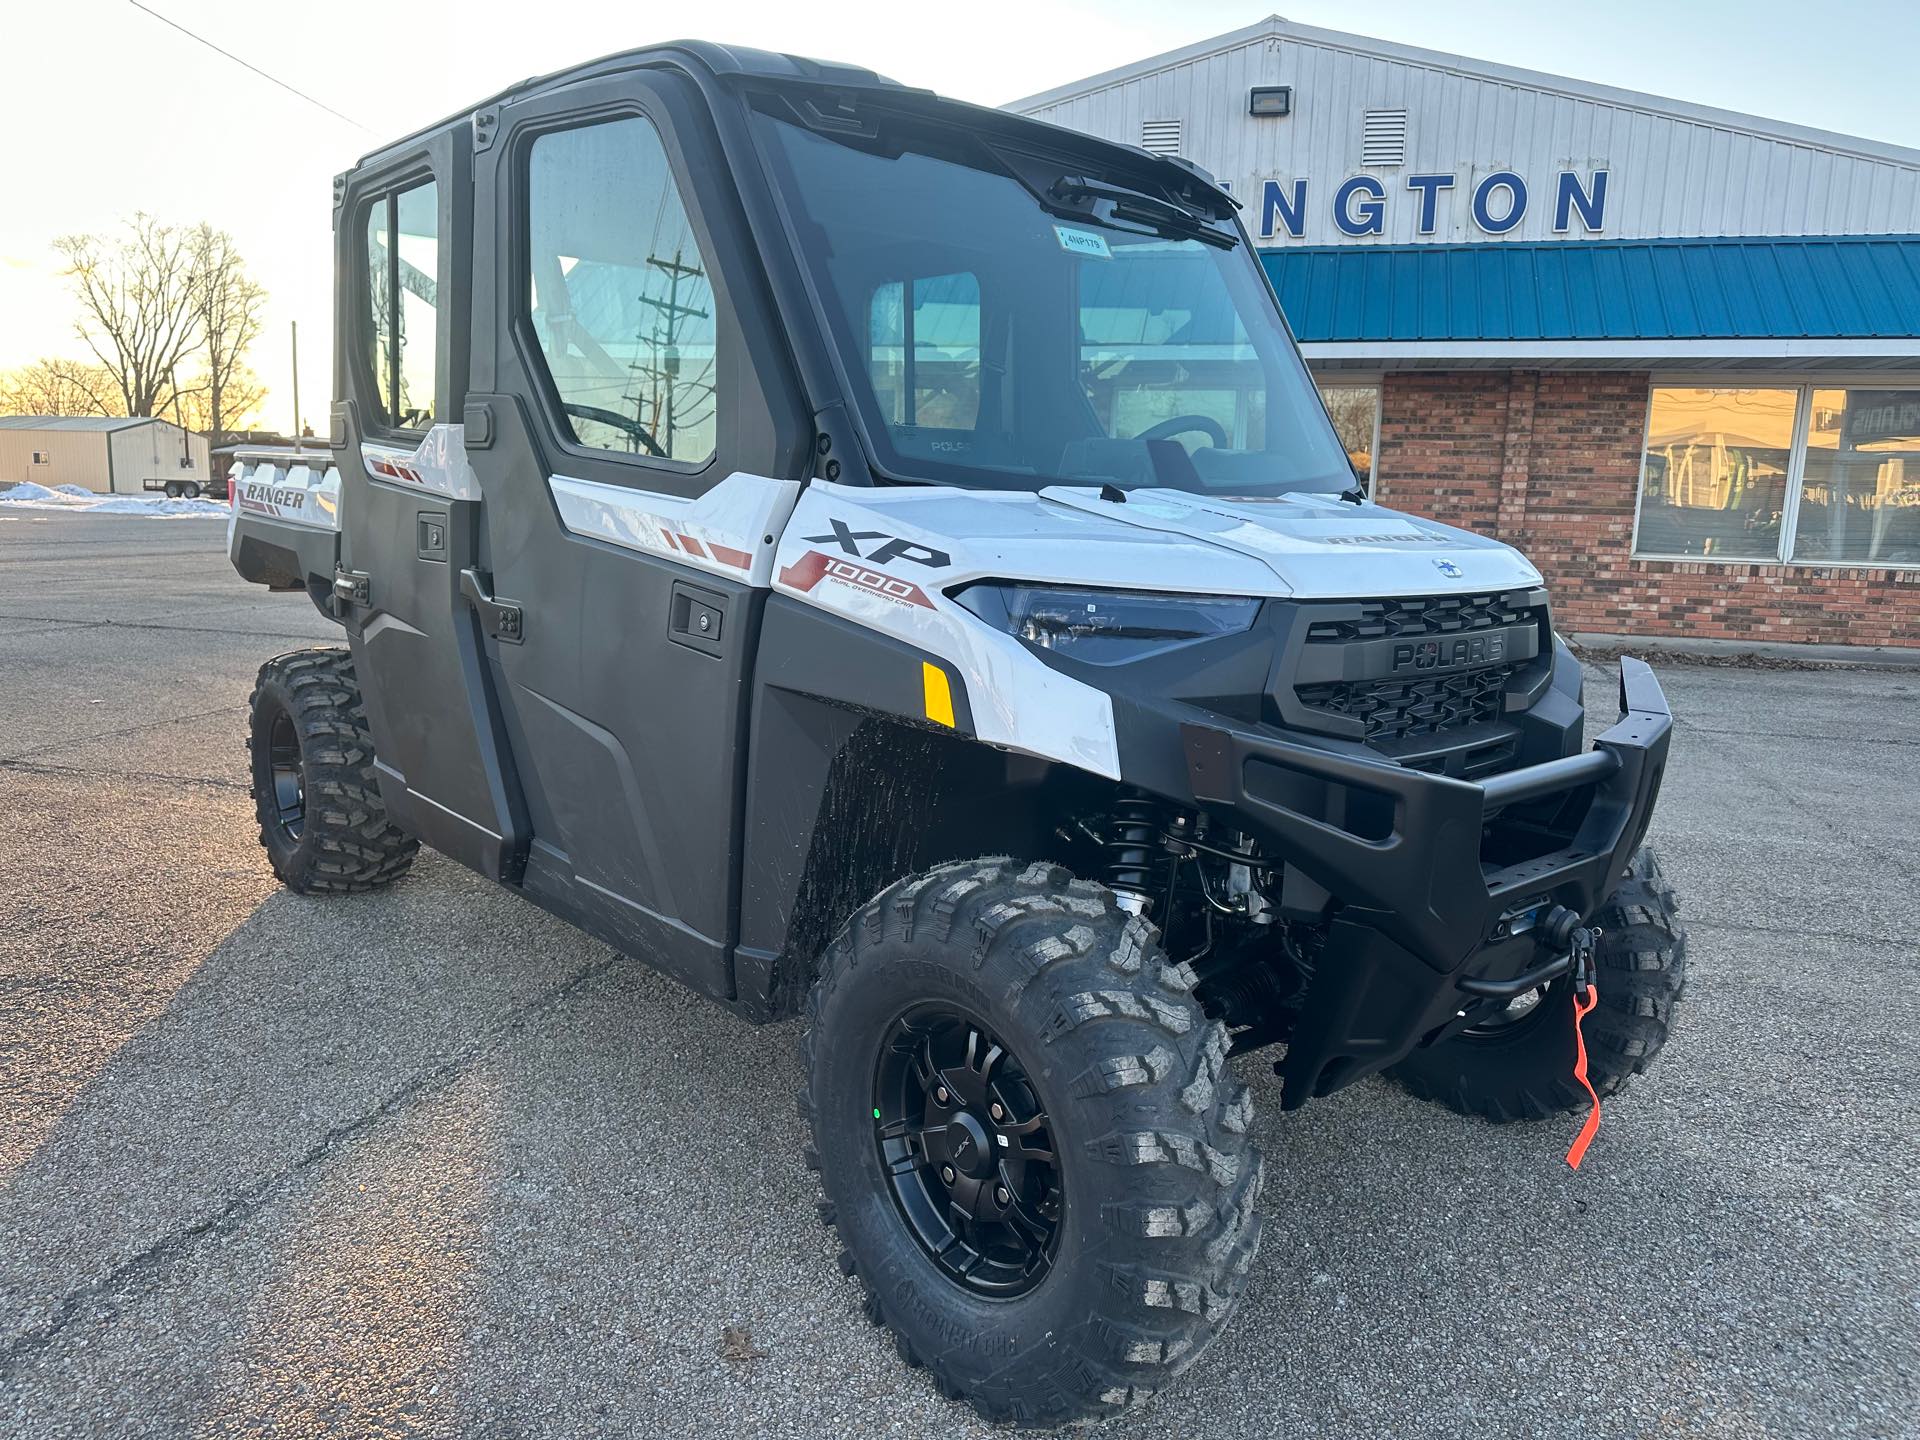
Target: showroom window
pixel 1811 474
pixel 1355 408
pixel 1860 482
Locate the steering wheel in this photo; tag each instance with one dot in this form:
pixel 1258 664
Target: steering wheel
pixel 1180 424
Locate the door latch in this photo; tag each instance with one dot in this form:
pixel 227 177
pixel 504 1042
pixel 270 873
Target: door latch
pixel 696 618
pixel 352 587
pixel 502 619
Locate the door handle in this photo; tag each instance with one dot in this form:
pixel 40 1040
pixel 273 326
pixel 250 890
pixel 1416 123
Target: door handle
pixel 696 618
pixel 503 619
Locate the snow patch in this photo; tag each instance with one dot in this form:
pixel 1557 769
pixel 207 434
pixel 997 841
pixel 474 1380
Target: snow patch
pixel 74 498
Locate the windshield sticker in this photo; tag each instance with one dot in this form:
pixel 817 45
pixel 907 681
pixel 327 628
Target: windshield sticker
pixel 1083 242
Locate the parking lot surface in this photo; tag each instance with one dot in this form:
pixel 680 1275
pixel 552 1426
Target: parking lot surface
pixel 432 1163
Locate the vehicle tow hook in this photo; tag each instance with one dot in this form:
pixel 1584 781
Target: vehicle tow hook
pixel 1580 947
pixel 1586 994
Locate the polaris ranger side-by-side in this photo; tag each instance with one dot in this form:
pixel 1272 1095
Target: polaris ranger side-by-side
pixel 881 558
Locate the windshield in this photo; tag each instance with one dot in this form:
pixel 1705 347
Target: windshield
pixel 991 339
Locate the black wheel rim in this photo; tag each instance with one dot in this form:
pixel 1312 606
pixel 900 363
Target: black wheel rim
pixel 968 1151
pixel 289 792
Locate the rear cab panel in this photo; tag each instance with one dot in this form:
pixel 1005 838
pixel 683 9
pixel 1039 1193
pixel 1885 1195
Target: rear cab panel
pixel 284 528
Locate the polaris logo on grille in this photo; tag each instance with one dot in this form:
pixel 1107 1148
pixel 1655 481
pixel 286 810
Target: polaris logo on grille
pixel 1488 649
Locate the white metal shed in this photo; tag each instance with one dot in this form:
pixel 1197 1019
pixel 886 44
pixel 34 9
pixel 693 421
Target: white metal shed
pixel 117 456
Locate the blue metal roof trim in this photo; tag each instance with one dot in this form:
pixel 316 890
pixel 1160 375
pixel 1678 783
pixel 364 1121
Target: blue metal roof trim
pixel 1813 287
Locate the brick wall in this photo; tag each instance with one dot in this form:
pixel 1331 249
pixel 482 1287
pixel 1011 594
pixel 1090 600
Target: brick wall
pixel 1550 461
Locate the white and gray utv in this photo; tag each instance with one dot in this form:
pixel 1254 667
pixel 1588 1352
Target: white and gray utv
pixel 882 558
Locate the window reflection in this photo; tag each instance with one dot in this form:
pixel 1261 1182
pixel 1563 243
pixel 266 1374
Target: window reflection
pixel 1355 410
pixel 1715 480
pixel 622 302
pixel 1860 493
pixel 403 267
pixel 924 359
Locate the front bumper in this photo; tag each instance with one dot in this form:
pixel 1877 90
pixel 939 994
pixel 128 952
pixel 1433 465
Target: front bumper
pixel 1440 880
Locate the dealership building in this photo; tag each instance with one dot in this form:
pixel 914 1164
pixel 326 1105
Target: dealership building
pixel 1671 352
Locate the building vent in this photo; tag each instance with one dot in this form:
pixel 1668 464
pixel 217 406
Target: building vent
pixel 1383 138
pixel 1162 137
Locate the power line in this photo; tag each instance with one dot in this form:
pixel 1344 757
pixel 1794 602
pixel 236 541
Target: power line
pixel 290 89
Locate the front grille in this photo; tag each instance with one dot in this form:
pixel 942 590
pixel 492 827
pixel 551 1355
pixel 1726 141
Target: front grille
pixel 1435 615
pixel 1397 709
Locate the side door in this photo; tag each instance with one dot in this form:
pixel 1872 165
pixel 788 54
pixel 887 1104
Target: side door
pixel 409 503
pixel 639 442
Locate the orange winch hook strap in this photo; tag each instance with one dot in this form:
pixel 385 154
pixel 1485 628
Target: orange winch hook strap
pixel 1584 999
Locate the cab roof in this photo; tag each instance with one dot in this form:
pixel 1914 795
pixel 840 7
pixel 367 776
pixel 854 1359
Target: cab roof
pixel 720 61
pixel 737 62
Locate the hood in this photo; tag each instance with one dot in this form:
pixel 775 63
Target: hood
pixel 1319 546
pixel 1313 547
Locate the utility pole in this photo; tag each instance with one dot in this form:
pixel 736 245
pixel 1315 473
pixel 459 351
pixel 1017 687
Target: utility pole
pixel 671 313
pixel 296 384
pixel 186 444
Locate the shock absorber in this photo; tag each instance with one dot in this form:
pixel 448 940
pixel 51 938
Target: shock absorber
pixel 1133 846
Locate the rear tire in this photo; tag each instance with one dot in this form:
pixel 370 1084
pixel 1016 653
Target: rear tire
pixel 322 820
pixel 1523 1070
pixel 1155 1224
pixel 190 491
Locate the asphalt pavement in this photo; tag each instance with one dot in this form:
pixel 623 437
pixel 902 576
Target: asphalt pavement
pixel 432 1163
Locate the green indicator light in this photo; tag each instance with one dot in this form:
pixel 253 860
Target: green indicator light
pixel 876 1113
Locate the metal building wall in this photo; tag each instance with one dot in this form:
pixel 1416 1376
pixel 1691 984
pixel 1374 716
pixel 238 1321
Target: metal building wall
pixel 75 457
pixel 1675 170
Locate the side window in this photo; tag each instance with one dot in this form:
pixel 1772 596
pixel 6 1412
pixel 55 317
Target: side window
pixel 622 303
pixel 924 357
pixel 403 296
pixel 1355 412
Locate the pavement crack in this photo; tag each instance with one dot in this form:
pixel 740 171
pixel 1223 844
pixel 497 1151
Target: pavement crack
pixel 124 731
pixel 159 625
pixel 1694 922
pixel 95 772
pixel 24 1344
pixel 65 625
pixel 1771 736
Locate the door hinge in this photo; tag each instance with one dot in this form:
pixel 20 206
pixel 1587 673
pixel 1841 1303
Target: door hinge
pixel 503 619
pixel 352 587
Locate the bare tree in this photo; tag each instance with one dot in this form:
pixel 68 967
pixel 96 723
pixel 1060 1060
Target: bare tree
pixel 142 310
pixel 240 399
pixel 1353 409
pixel 233 306
pixel 60 387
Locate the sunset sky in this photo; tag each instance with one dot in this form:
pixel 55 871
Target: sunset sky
pixel 108 111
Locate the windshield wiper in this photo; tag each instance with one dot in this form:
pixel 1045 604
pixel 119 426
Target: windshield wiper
pixel 1163 217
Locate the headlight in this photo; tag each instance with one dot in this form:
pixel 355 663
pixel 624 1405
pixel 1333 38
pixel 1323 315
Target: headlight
pixel 1107 627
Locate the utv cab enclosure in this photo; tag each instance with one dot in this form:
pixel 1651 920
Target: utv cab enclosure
pixel 879 557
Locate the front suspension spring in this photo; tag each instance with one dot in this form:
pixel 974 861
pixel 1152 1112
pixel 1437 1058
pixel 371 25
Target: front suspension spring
pixel 1133 846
